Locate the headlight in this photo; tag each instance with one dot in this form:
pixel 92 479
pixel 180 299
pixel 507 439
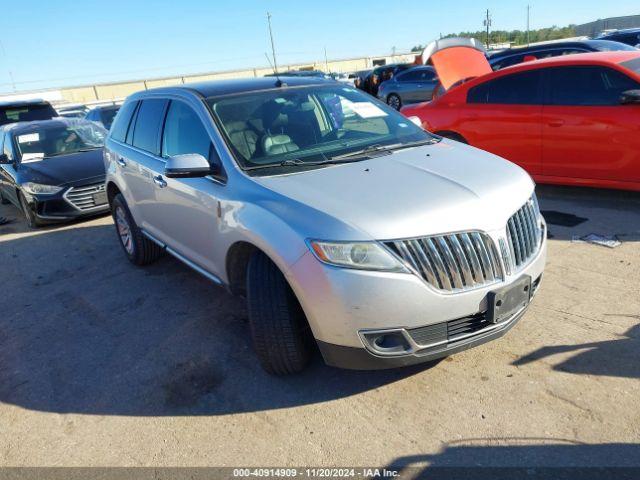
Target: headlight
pixel 360 255
pixel 40 189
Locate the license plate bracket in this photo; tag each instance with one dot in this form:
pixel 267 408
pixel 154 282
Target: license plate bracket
pixel 100 198
pixel 507 301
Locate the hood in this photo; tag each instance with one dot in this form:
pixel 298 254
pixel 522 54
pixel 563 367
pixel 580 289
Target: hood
pixel 64 169
pixel 422 191
pixel 457 59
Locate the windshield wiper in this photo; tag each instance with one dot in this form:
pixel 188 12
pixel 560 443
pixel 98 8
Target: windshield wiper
pixel 296 162
pixel 365 152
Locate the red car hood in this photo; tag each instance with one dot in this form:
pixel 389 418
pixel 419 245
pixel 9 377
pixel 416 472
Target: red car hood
pixel 457 59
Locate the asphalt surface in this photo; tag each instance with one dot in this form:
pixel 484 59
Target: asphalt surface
pixel 106 364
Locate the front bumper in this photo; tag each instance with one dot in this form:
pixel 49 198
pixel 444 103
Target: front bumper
pixel 67 205
pixel 362 359
pixel 341 304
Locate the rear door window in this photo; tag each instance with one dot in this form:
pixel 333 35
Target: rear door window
pixel 146 133
pixel 587 86
pixel 122 121
pixel 516 89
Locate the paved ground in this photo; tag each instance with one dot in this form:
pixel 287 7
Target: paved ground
pixel 102 363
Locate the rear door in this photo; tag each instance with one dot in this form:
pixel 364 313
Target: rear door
pixel 416 85
pixel 141 165
pixel 503 117
pixel 587 133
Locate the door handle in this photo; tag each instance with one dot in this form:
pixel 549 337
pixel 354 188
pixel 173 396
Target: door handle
pixel 121 162
pixel 159 181
pixel 556 123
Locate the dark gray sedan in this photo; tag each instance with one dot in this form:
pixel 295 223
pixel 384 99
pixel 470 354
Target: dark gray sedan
pixel 411 86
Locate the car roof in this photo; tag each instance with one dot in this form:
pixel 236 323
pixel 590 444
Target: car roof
pixel 616 57
pixel 216 88
pixel 22 103
pixel 542 46
pixel 24 127
pixel 623 31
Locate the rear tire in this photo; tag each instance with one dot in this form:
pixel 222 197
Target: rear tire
pixel 138 248
pixel 394 101
pixel 30 215
pixel 279 329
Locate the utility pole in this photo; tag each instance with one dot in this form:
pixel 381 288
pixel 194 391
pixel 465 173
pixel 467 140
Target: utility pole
pixel 273 48
pixel 528 25
pixel 487 23
pixel 4 54
pixel 326 61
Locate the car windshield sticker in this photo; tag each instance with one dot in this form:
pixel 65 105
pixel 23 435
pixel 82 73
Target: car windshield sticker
pixel 367 110
pixel 30 137
pixel 32 157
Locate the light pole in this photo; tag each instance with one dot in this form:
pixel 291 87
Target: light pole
pixel 4 54
pixel 528 25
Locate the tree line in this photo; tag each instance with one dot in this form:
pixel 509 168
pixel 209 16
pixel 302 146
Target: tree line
pixel 516 37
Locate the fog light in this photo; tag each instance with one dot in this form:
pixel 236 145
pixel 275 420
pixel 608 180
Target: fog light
pixel 387 343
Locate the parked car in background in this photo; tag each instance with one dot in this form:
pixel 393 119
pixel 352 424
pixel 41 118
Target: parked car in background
pixel 25 110
pixel 103 115
pixel 332 214
pixel 53 170
pixel 72 111
pixel 629 36
pixel 410 86
pixel 359 78
pixel 299 73
pixel 381 74
pixel 569 120
pixel 516 55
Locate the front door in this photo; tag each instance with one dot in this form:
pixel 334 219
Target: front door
pixel 587 133
pixel 189 220
pixel 502 116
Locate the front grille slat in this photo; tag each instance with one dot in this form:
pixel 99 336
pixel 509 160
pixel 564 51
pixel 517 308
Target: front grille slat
pixel 523 235
pixel 83 197
pixel 452 263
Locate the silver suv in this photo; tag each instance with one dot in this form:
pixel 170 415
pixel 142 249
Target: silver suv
pixel 343 224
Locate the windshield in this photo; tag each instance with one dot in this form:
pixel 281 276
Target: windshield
pixel 107 115
pixel 57 138
pixel 309 124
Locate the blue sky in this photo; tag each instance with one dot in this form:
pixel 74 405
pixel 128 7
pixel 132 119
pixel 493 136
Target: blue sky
pixel 70 42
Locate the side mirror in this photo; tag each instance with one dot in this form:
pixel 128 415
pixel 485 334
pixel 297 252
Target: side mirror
pixel 4 160
pixel 190 165
pixel 630 97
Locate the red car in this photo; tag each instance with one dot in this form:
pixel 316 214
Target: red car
pixel 572 120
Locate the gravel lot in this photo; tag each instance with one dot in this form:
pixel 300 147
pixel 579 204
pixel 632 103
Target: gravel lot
pixel 106 364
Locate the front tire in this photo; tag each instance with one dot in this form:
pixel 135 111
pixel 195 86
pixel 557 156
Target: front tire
pixel 280 332
pixel 30 215
pixel 394 101
pixel 138 248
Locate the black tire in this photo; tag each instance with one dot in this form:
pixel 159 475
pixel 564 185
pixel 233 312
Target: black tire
pixel 394 101
pixel 32 220
pixel 138 248
pixel 281 335
pixel 453 136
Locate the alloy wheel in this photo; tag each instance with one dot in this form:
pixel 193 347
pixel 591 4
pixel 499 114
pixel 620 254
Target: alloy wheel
pixel 124 230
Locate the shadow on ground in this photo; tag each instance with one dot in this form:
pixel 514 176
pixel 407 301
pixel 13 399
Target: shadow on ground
pixel 524 458
pixel 573 212
pixel 83 331
pixel 611 358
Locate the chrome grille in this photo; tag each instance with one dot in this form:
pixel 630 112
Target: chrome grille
pixel 83 197
pixel 452 263
pixel 524 236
